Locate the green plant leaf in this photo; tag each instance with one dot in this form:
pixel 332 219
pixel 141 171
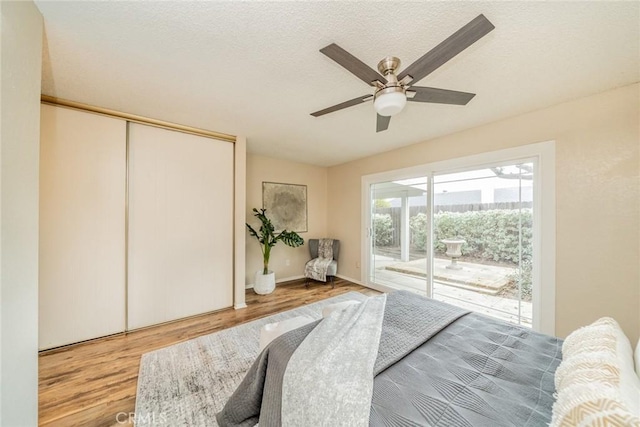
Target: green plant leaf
pixel 290 238
pixel 266 236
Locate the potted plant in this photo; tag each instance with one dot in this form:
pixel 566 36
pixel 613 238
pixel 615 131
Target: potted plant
pixel 265 280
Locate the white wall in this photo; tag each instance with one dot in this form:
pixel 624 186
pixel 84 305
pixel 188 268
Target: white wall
pixel 21 50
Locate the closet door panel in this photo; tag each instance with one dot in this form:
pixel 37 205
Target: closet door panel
pixel 180 225
pixel 82 226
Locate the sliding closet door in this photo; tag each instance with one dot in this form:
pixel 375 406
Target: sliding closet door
pixel 82 226
pixel 180 225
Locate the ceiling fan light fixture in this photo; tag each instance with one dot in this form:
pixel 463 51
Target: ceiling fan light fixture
pixel 390 101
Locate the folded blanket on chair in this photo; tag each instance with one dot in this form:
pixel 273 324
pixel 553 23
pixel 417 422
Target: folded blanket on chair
pixel 317 268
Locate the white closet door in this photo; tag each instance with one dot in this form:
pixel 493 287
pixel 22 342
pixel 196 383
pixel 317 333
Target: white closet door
pixel 180 225
pixel 82 226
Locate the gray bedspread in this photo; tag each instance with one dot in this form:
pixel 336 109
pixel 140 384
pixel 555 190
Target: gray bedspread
pixel 435 367
pixel 478 371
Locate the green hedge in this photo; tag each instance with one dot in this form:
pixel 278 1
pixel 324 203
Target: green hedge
pixel 525 274
pixel 490 235
pixel 382 229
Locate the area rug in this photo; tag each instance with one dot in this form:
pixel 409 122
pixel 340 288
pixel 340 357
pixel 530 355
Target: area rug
pixel 188 383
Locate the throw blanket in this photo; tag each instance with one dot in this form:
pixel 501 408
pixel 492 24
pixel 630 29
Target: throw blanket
pixel 409 321
pixel 317 268
pixel 333 367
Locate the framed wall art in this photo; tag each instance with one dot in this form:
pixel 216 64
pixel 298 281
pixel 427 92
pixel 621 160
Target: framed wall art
pixel 286 205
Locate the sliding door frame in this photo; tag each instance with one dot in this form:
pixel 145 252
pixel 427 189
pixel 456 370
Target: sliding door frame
pixel 544 218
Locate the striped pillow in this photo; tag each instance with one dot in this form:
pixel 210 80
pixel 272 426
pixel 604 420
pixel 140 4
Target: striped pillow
pixel 588 381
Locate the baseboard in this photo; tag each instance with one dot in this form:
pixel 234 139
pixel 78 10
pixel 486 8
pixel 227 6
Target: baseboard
pixel 239 306
pixel 288 279
pixel 284 279
pixel 350 279
pixel 374 286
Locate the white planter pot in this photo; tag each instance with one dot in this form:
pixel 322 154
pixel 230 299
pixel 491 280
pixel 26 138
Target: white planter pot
pixel 264 284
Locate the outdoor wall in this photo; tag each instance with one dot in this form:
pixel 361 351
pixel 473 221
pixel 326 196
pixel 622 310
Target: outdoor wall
pixel 259 169
pixel 21 49
pixel 597 199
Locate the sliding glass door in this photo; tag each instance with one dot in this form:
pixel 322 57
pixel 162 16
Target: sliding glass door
pixel 462 236
pixel 482 240
pixel 398 256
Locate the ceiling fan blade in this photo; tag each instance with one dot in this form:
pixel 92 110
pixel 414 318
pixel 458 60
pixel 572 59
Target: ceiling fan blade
pixel 456 43
pixel 382 123
pixel 353 64
pixel 440 96
pixel 345 104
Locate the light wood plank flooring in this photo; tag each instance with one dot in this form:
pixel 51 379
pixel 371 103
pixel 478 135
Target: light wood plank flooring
pixel 88 384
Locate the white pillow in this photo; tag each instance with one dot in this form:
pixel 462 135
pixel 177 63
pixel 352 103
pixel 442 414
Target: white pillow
pixel 629 381
pixel 339 306
pixel 272 331
pixel 637 358
pixel 595 382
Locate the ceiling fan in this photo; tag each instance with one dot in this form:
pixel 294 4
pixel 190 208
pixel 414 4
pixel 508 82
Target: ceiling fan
pixel 392 91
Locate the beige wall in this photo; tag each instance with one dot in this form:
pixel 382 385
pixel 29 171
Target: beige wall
pixel 259 169
pixel 21 47
pixel 597 199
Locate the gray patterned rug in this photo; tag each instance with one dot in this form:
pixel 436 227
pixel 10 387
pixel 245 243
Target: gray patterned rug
pixel 188 383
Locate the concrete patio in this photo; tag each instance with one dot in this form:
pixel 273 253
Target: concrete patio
pixel 487 279
pixel 475 286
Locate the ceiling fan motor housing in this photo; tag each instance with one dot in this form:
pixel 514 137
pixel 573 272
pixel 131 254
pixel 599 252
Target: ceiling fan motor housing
pixel 390 98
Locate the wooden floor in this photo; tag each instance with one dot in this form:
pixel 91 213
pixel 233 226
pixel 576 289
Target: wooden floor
pixel 89 384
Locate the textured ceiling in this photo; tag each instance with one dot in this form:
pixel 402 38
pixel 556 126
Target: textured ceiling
pixel 253 68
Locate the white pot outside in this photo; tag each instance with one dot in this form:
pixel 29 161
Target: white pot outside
pixel 264 284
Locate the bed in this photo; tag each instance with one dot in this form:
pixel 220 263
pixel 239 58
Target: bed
pixel 428 364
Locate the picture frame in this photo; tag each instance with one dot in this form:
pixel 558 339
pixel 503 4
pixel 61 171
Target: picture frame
pixel 286 205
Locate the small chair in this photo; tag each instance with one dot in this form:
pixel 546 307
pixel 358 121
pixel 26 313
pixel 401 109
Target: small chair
pixel 332 270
